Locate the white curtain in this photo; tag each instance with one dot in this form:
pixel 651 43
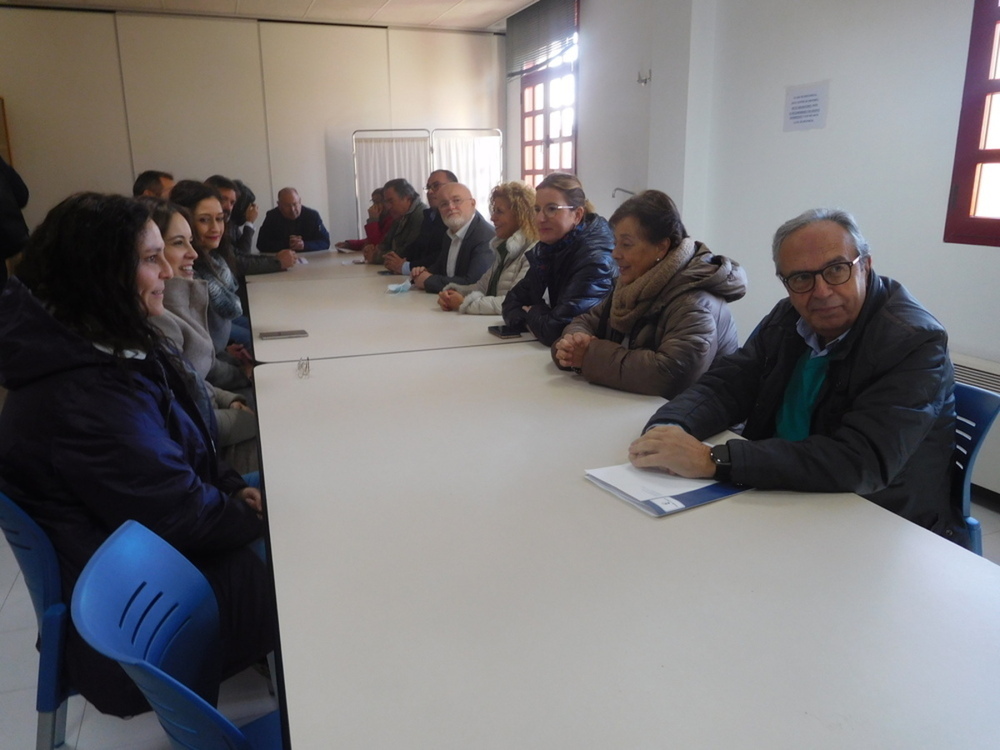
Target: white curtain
pixel 383 155
pixel 476 158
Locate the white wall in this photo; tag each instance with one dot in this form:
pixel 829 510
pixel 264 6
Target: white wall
pixel 885 154
pixel 94 98
pixel 613 123
pixel 445 79
pixel 318 94
pixel 716 144
pixel 62 89
pixel 194 97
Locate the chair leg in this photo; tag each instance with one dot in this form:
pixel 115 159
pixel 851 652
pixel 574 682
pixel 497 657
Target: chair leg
pixel 975 535
pixel 51 728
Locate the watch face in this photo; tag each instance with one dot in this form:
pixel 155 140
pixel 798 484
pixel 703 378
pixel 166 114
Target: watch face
pixel 720 454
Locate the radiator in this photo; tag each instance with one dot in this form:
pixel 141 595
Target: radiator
pixel 985 374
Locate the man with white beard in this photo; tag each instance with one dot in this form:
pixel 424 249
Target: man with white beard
pixel 465 253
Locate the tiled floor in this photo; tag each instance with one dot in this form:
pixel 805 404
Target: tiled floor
pixel 243 698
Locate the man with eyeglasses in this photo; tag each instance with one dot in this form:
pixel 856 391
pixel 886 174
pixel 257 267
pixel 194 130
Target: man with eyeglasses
pixel 465 253
pixel 846 386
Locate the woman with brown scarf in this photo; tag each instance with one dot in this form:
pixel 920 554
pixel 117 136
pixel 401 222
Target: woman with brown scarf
pixel 667 319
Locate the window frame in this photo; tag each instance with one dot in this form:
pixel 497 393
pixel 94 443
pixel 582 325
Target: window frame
pixel 546 76
pixel 960 225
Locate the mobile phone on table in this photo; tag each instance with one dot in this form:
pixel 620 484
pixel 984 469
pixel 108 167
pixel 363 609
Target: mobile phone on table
pixel 504 332
pixel 295 334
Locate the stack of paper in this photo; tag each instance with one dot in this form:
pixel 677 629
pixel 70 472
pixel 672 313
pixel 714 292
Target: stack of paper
pixel 656 492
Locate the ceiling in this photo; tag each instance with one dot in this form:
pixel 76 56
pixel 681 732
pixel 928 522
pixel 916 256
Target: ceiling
pixel 475 15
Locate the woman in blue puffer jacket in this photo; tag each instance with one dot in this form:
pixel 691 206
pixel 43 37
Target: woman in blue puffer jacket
pixel 570 269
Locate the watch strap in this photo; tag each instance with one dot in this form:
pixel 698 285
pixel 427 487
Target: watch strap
pixel 723 465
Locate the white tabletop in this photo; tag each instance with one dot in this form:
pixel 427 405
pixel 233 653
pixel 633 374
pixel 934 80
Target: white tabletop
pixel 447 578
pixel 320 264
pixel 348 316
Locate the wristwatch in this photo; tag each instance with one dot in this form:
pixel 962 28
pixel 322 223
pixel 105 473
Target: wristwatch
pixel 723 466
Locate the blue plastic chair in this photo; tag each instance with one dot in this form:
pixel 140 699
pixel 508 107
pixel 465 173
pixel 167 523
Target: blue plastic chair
pixel 975 409
pixel 143 604
pixel 40 567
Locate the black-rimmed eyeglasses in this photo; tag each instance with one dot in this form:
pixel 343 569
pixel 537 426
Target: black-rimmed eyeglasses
pixel 833 274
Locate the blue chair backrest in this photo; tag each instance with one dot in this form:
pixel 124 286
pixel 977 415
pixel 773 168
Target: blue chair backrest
pixel 975 409
pixel 138 600
pixel 142 603
pixel 40 567
pixel 35 555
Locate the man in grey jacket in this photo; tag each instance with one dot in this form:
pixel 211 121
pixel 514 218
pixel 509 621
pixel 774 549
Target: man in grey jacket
pixel 846 386
pixel 407 211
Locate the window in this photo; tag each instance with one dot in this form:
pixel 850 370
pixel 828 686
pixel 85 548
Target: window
pixel 548 119
pixel 542 51
pixel 974 202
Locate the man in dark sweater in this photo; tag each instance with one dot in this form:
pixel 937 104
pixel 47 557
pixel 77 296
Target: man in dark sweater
pixel 292 226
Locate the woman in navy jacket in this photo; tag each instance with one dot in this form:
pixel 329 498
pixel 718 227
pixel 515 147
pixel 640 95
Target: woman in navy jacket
pixel 570 269
pixel 104 423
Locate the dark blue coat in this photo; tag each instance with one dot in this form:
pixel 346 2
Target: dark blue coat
pixel 577 272
pixel 276 230
pixel 88 440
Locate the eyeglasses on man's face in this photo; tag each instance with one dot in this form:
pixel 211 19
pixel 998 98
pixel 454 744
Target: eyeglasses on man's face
pixel 452 202
pixel 834 274
pixel 551 210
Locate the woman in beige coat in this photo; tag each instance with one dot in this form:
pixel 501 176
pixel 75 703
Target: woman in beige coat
pixel 667 319
pixel 512 213
pixel 184 323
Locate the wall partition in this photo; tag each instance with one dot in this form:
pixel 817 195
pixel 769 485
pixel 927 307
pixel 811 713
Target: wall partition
pixel 94 98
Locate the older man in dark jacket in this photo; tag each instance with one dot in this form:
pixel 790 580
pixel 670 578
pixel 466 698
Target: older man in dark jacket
pixel 292 226
pixel 465 252
pixel 846 386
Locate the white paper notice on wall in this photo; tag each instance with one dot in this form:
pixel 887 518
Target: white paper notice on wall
pixel 806 105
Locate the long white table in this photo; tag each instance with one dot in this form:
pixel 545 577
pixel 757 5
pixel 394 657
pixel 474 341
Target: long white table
pixel 321 264
pixel 447 578
pixel 353 315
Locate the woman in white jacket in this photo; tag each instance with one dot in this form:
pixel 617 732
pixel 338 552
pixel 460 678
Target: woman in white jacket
pixel 512 214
